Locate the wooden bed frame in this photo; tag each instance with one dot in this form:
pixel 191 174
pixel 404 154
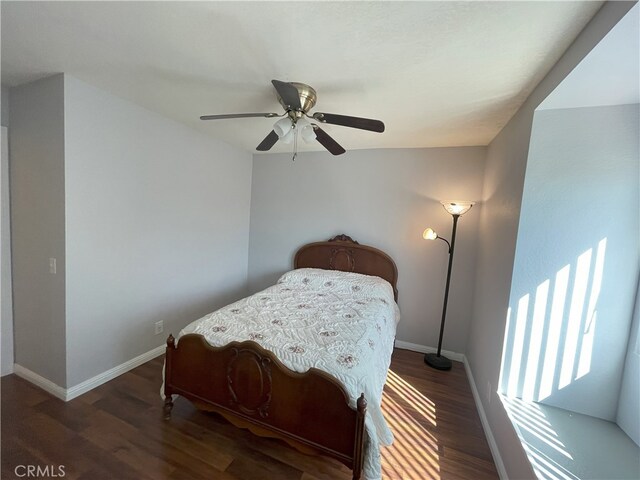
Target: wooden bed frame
pixel 252 389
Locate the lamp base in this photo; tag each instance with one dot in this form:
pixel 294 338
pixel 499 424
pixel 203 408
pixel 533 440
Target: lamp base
pixel 440 362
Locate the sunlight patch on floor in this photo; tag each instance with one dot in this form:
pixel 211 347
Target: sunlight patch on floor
pixel 408 393
pixel 414 453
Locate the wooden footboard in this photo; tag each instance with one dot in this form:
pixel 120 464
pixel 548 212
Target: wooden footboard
pixel 250 387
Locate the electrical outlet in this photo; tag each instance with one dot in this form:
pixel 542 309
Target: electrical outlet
pixel 159 327
pixel 52 266
pixel 489 392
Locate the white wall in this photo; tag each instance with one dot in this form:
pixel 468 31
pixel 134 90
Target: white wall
pixel 499 215
pixel 157 225
pixel 504 176
pixel 608 75
pixel 576 265
pixel 382 198
pixel 628 417
pixel 4 107
pixel 36 137
pixel 6 303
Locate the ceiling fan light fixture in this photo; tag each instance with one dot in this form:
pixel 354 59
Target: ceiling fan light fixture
pixel 284 128
pixel 306 130
pixel 287 130
pixel 289 137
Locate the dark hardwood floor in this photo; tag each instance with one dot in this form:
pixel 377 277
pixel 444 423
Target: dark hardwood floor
pixel 116 431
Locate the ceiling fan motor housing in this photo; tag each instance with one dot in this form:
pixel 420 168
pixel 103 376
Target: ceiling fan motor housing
pixel 307 94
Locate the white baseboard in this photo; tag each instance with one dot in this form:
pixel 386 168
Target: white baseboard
pixel 414 347
pixel 37 380
pixel 67 394
pixel 116 371
pixel 493 446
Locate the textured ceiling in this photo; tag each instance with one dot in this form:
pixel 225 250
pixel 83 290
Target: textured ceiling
pixel 437 73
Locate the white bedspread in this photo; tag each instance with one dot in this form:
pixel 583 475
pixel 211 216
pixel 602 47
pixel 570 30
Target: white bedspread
pixel 341 323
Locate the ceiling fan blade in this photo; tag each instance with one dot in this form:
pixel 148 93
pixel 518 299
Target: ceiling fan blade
pixel 268 142
pixel 354 122
pixel 238 115
pixel 288 93
pixel 327 141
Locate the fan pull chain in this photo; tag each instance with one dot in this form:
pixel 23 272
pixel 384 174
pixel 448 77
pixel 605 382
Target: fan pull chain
pixel 295 143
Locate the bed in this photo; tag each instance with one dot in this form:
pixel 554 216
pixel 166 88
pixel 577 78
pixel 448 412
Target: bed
pixel 339 290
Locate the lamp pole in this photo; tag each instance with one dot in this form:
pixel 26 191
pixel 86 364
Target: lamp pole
pixel 437 360
pixel 456 210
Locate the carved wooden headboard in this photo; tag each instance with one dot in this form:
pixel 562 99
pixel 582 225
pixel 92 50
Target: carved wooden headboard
pixel 345 254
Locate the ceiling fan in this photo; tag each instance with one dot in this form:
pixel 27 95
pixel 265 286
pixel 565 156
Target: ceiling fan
pixel 297 99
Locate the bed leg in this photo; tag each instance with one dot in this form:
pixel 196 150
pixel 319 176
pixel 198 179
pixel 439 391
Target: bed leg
pixel 168 405
pixel 358 451
pixel 168 397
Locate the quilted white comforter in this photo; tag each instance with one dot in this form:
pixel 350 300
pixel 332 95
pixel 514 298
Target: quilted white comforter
pixel 341 323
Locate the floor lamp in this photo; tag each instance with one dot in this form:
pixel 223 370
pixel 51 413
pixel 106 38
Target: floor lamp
pixel 456 209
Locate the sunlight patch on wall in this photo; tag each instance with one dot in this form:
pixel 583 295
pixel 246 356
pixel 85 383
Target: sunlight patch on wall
pixel 533 360
pixel 505 357
pixel 575 318
pixel 549 346
pixel 586 351
pixel 518 345
pixel 555 327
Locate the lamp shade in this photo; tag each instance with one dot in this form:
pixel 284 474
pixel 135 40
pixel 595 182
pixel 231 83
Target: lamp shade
pixel 429 234
pixel 458 207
